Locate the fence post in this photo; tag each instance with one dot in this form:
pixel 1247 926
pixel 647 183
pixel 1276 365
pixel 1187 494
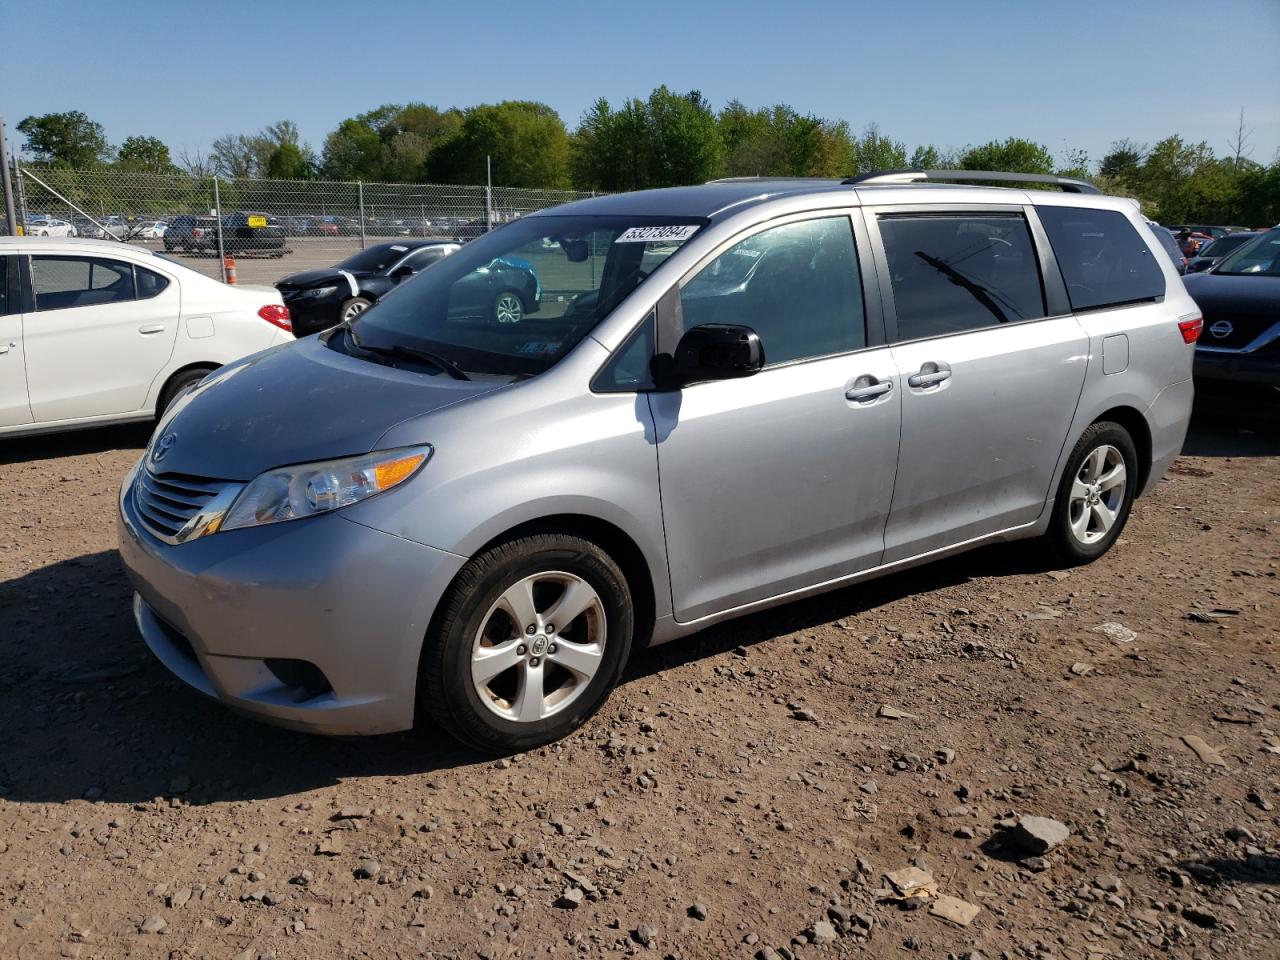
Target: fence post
pixel 22 194
pixel 360 190
pixel 10 217
pixel 217 213
pixel 488 193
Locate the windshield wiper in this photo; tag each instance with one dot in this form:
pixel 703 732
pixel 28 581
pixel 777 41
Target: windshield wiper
pixel 411 353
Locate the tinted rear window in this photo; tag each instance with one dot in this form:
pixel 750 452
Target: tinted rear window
pixel 1104 260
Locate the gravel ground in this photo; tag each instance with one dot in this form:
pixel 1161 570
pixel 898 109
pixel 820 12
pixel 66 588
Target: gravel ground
pixel 743 794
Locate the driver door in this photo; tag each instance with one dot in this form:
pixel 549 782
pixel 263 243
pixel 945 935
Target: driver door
pixel 782 480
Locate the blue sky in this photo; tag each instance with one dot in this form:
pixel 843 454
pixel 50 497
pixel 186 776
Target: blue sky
pixel 1078 74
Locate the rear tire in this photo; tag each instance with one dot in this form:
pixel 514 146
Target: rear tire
pixel 508 307
pixel 179 384
pixel 1095 495
pixel 500 688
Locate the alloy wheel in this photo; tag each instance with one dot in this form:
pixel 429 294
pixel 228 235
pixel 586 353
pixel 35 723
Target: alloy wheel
pixel 1097 494
pixel 354 310
pixel 539 646
pixel 508 308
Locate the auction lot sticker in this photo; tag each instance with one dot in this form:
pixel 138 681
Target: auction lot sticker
pixel 657 234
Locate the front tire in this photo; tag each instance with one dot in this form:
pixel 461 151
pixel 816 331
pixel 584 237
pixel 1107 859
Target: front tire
pixel 1095 495
pixel 498 672
pixel 508 307
pixel 353 308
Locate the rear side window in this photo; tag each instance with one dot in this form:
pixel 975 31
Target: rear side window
pixel 796 285
pixel 955 273
pixel 1105 261
pixel 150 283
pixel 4 285
pixel 63 282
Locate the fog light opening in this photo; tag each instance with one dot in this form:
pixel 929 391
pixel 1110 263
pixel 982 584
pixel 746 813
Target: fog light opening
pixel 304 680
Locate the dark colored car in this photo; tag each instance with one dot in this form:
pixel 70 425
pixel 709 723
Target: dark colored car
pixel 1208 231
pixel 1170 245
pixel 192 234
pixel 1212 253
pixel 1240 300
pixel 319 299
pixel 248 232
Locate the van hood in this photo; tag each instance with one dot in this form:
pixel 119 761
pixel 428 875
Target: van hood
pixel 294 403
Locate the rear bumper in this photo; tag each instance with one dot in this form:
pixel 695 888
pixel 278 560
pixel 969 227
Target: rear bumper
pixel 351 601
pixel 1168 417
pixel 1237 367
pixel 313 314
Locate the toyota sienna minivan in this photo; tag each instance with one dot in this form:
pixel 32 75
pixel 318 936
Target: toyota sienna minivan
pixel 732 395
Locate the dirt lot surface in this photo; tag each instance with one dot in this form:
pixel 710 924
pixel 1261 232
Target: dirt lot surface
pixel 743 793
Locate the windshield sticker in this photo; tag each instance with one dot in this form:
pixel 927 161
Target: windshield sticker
pixel 396 246
pixel 673 234
pixel 539 348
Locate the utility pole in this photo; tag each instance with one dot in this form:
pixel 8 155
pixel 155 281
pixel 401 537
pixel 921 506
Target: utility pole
pixel 10 218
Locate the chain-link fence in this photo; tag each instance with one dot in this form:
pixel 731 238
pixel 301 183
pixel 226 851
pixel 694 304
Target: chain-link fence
pixel 302 224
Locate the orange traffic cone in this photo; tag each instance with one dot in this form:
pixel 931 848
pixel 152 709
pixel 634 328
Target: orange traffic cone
pixel 229 267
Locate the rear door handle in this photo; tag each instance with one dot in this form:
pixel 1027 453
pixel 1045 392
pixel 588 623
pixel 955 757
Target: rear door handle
pixel 867 388
pixel 151 328
pixel 930 375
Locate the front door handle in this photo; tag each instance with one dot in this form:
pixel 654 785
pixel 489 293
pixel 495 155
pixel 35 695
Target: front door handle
pixel 6 347
pixel 867 388
pixel 930 375
pixel 151 328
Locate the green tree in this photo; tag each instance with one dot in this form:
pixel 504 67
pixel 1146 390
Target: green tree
pixel 289 162
pixel 240 155
pixel 526 142
pixel 145 155
pixel 610 147
pixel 67 139
pixel 927 157
pixel 874 151
pixel 389 143
pixel 684 142
pixel 1123 160
pixel 1013 155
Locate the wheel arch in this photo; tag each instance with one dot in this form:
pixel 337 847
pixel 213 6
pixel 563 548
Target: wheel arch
pixel 206 365
pixel 1137 427
pixel 614 541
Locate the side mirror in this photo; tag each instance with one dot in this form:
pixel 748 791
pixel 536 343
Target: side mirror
pixel 718 351
pixel 402 271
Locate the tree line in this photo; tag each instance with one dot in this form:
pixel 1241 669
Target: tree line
pixel 666 139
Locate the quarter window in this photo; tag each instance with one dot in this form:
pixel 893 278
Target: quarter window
pixel 796 285
pixel 1104 261
pixel 62 282
pixel 150 283
pixel 952 274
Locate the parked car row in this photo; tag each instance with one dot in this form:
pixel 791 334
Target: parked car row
pixel 241 232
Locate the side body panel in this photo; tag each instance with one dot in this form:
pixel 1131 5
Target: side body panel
pixel 15 406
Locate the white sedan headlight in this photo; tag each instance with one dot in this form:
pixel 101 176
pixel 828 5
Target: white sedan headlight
pixel 290 493
pixel 318 291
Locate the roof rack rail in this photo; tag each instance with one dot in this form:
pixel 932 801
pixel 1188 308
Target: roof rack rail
pixel 1067 184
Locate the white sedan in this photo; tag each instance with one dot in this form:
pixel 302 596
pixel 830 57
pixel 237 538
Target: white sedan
pixel 95 332
pixel 49 227
pixel 149 230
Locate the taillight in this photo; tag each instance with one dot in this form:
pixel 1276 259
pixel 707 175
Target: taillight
pixel 1190 328
pixel 277 314
pixel 197 232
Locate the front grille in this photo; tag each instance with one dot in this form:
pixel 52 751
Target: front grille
pixel 1243 331
pixel 166 502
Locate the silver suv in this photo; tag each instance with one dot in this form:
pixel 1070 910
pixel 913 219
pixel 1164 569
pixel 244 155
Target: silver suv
pixel 731 396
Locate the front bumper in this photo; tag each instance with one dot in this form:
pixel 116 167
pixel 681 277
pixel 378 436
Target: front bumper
pixel 352 601
pixel 1238 367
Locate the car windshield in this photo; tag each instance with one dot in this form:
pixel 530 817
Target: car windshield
pixel 1224 245
pixel 375 259
pixel 1258 257
pixel 513 302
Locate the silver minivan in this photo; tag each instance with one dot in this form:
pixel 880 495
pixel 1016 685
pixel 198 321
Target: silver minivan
pixel 729 396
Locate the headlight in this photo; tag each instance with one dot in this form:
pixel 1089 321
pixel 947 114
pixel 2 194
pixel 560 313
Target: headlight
pixel 311 488
pixel 318 291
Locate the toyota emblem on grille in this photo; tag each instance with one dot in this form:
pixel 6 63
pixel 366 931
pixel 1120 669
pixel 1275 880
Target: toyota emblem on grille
pixel 1221 329
pixel 162 446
